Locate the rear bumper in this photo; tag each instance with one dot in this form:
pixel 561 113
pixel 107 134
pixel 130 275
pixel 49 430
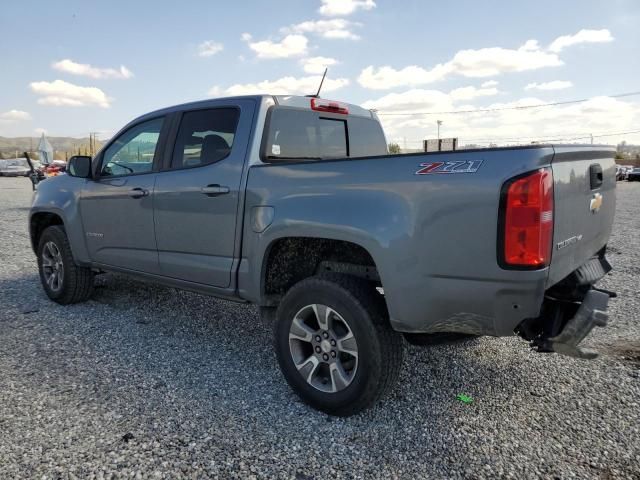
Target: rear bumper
pixel 591 313
pixel 570 311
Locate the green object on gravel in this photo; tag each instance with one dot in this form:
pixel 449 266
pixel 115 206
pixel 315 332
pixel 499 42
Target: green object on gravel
pixel 464 398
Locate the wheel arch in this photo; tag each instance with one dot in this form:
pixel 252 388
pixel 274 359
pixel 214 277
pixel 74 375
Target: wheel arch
pixel 39 222
pixel 288 260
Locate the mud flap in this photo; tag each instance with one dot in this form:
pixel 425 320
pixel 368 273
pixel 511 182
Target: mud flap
pixel 591 313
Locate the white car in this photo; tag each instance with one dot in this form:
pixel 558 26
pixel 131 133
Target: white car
pixel 15 167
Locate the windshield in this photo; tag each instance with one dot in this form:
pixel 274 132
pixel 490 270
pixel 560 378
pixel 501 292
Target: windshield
pixel 304 134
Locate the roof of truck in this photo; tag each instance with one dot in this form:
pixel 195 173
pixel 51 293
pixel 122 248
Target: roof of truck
pixel 297 101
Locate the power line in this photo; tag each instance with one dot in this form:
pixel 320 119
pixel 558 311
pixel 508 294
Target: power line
pixel 548 138
pixel 600 136
pixel 498 109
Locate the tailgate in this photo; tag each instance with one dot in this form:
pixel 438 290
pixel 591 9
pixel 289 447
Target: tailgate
pixel 584 206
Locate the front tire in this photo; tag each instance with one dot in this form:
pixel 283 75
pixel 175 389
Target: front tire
pixel 63 281
pixel 334 343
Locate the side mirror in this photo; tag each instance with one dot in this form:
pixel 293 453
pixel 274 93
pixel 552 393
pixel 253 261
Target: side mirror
pixel 79 166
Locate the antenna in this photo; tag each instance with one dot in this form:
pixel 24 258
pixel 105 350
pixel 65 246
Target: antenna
pixel 317 95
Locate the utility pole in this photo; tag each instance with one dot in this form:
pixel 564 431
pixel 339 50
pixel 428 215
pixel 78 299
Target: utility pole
pixel 92 142
pixel 439 123
pixel 591 134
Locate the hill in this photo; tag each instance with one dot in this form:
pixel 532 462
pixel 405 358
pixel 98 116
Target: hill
pixel 62 146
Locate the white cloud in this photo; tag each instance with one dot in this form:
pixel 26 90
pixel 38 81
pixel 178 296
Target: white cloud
pixel 411 100
pixel 484 62
pixel 337 8
pixel 333 28
pixel 39 131
pixel 15 116
pixel 317 64
pixel 388 77
pixel 61 93
pixel 291 46
pixel 487 62
pixel 489 83
pixel 553 85
pixel 469 93
pixel 583 36
pixel 424 100
pixel 84 69
pixel 283 86
pixel 597 115
pixel 209 48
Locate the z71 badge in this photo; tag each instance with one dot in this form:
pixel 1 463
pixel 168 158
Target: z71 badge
pixel 458 166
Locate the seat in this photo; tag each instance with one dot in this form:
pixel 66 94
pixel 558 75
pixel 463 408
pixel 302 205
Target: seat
pixel 214 148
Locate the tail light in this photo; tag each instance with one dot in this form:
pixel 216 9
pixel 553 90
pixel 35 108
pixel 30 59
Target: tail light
pixel 526 221
pixel 321 105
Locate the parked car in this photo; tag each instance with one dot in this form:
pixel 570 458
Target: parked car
pixel 15 167
pixel 628 169
pixel 57 167
pixel 294 204
pixel 634 174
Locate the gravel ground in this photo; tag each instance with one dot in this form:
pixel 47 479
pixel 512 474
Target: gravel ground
pixel 149 382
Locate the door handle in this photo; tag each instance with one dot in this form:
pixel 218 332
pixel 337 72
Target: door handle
pixel 138 192
pixel 214 190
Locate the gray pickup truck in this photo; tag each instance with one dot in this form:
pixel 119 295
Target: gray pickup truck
pixel 294 204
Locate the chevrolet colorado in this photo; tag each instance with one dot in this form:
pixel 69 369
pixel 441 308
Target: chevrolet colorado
pixel 294 204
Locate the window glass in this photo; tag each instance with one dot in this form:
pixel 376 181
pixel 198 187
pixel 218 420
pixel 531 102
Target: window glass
pixel 205 136
pixel 304 134
pixel 133 152
pixel 366 138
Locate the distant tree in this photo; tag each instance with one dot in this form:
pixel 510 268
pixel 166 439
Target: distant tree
pixel 394 148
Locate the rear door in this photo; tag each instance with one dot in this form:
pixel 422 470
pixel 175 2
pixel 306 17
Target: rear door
pixel 117 207
pixel 584 206
pixel 196 199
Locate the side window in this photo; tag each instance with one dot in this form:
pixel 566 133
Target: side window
pixel 133 152
pixel 204 137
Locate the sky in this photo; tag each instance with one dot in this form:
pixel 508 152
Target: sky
pixel 74 67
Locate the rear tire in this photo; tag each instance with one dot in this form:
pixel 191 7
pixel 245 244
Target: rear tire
pixel 63 281
pixel 347 366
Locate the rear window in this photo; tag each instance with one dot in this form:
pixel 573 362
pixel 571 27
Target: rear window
pixel 303 134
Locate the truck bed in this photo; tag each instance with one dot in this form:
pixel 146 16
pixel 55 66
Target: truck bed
pixel 433 236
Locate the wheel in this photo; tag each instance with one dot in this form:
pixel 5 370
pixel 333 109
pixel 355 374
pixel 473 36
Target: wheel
pixel 63 281
pixel 334 343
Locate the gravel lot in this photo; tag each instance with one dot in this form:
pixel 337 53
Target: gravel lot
pixel 149 382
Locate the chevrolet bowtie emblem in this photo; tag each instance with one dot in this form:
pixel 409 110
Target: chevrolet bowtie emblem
pixel 596 203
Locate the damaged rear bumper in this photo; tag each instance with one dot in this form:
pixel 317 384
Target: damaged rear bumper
pixel 570 311
pixel 591 313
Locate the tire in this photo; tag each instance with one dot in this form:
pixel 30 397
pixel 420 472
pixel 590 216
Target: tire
pixel 355 308
pixel 75 284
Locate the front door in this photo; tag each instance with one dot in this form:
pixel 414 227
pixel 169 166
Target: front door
pixel 117 207
pixel 197 196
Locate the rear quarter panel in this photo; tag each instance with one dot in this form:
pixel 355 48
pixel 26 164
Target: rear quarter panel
pixel 432 237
